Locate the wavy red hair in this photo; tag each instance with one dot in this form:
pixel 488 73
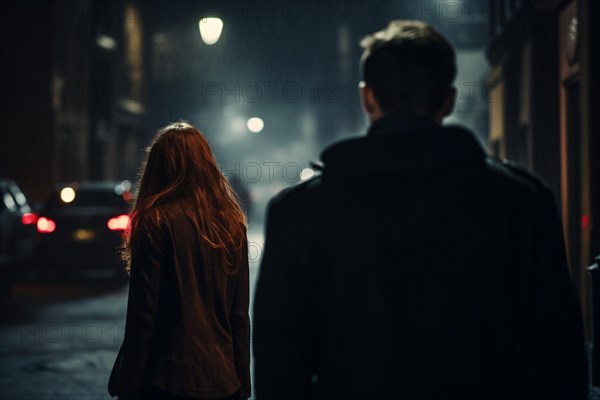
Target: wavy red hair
pixel 181 164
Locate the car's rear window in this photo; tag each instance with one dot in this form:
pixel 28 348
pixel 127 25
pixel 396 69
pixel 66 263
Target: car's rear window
pixel 88 198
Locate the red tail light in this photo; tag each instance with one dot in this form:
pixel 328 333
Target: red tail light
pixel 29 218
pixel 119 223
pixel 45 225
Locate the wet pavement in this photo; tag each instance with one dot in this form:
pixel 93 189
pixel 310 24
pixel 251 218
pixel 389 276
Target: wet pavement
pixel 59 340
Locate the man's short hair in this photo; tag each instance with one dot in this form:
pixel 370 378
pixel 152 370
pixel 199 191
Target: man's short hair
pixel 409 66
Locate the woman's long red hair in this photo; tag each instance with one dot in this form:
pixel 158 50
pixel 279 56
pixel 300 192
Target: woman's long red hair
pixel 181 164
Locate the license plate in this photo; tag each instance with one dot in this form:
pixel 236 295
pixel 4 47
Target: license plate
pixel 84 235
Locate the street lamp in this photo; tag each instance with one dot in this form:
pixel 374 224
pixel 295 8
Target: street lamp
pixel 210 30
pixel 255 124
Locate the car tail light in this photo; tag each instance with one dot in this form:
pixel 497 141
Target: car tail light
pixel 118 223
pixel 29 218
pixel 45 225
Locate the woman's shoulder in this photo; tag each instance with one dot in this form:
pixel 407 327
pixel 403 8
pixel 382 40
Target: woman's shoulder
pixel 175 209
pixel 173 215
pixel 149 221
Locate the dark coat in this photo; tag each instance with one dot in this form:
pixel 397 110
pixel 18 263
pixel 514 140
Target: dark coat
pixel 187 328
pixel 416 267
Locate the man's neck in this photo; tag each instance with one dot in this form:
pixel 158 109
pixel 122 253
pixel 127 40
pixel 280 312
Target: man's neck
pixel 376 116
pixel 401 122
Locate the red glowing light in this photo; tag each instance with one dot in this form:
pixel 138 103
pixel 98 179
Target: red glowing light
pixel 29 218
pixel 585 221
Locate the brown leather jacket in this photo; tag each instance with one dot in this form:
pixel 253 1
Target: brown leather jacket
pixel 187 328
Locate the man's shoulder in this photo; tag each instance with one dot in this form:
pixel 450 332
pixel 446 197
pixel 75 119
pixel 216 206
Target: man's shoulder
pixel 515 176
pixel 297 194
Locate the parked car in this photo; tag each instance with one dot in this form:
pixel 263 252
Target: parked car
pixel 80 228
pixel 17 235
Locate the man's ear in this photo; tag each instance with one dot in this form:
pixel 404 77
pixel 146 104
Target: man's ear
pixel 448 105
pixel 368 100
pixel 362 88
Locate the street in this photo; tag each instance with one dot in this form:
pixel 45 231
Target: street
pixel 441 233
pixel 59 340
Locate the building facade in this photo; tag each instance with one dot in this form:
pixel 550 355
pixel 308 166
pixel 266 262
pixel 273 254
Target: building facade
pixel 544 115
pixel 76 94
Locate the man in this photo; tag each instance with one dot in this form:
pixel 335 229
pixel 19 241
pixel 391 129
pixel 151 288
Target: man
pixel 415 266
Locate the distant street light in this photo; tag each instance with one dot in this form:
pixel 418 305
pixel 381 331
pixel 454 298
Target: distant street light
pixel 210 30
pixel 106 42
pixel 255 124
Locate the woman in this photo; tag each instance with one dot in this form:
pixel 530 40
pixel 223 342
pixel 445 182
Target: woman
pixel 187 325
